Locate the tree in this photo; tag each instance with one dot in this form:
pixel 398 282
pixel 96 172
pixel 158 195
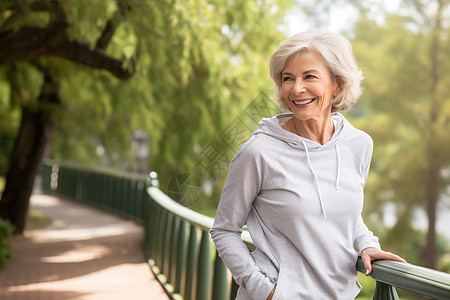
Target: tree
pixel 37 122
pixel 407 100
pixel 186 60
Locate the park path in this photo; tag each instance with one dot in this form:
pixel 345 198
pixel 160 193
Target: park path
pixel 84 254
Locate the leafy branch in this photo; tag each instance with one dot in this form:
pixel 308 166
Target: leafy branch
pixel 53 40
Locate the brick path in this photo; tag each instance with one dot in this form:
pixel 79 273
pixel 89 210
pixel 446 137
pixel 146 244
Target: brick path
pixel 85 254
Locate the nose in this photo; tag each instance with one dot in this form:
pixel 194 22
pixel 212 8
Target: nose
pixel 298 87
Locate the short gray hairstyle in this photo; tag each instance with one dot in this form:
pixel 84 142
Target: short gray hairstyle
pixel 337 54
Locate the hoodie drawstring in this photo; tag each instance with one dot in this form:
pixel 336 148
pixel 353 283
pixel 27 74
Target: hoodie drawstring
pixel 338 171
pixel 317 181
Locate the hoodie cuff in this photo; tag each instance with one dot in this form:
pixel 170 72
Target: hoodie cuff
pixel 259 287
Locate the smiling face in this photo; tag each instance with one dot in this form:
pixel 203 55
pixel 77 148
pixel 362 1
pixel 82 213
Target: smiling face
pixel 307 86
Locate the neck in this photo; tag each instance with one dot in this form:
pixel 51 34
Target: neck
pixel 314 130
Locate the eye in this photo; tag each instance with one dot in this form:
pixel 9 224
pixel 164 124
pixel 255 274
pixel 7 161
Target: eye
pixel 310 76
pixel 286 78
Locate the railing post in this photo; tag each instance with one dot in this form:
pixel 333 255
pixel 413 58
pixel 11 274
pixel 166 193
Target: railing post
pixel 125 198
pixel 166 245
pixel 116 194
pixel 220 280
pixel 154 216
pixel 204 268
pixel 181 257
pixel 173 250
pixel 99 181
pixel 162 239
pixel 384 291
pixel 146 212
pixel 191 262
pixel 140 197
pixel 233 290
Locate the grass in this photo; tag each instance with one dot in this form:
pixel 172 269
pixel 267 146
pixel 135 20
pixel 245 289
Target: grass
pixel 2 185
pixel 37 220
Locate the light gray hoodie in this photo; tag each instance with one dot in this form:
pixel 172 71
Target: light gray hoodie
pixel 302 203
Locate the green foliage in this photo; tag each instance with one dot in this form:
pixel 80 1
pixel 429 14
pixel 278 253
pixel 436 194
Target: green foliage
pixel 200 64
pixel 368 287
pixel 5 249
pixel 2 184
pixel 406 113
pixel 444 254
pixel 9 121
pixel 444 263
pixel 229 51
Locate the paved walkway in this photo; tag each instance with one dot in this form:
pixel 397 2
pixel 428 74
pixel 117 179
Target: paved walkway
pixel 85 254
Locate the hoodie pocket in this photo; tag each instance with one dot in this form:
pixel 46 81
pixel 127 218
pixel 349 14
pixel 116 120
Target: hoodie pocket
pixel 281 281
pixel 265 265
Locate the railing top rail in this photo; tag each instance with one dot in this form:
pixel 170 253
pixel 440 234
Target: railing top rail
pixel 97 169
pixel 184 213
pixel 420 280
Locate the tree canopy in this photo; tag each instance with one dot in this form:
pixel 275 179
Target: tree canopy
pixel 178 70
pixel 406 103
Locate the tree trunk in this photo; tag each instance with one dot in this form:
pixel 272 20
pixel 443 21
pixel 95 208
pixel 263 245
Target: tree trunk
pixel 36 128
pixel 430 255
pixel 433 194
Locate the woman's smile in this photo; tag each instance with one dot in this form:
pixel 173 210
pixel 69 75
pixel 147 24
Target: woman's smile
pixel 303 102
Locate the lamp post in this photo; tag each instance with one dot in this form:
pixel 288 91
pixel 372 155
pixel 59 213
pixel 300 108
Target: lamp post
pixel 140 150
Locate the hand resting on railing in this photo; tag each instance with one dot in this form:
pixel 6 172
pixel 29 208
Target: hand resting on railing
pixel 370 254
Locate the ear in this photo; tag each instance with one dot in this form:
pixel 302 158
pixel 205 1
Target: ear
pixel 337 90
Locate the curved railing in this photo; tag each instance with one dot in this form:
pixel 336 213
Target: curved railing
pixel 421 281
pixel 180 249
pixel 117 191
pixel 177 242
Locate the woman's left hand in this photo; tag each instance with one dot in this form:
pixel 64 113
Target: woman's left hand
pixel 370 254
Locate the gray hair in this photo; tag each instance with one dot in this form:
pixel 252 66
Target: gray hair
pixel 337 54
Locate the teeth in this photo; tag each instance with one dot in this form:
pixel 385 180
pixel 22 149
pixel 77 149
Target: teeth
pixel 303 102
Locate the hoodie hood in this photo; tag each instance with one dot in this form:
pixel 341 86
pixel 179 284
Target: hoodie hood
pixel 272 128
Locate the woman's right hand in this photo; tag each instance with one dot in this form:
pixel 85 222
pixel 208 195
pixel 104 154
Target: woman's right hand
pixel 271 293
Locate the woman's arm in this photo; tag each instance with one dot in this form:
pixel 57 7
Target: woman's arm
pixel 364 238
pixel 370 254
pixel 242 185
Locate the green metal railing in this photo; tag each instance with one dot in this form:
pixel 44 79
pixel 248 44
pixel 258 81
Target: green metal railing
pixel 180 248
pixel 177 242
pixel 116 191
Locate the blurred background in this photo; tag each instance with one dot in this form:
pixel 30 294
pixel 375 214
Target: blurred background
pixel 175 86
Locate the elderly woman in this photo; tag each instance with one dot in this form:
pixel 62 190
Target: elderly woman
pixel 298 182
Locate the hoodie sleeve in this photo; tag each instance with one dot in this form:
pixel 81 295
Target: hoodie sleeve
pixel 367 157
pixel 241 187
pixel 364 238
